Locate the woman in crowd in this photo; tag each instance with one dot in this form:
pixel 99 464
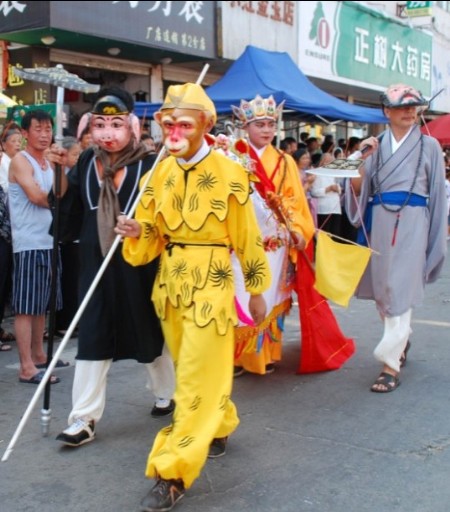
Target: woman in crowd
pixel 303 160
pixel 69 255
pixel 327 190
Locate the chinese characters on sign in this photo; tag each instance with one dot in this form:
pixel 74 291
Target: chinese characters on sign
pixel 189 10
pixel 352 42
pixel 39 94
pixel 7 7
pixel 182 26
pixel 187 27
pixel 158 35
pixel 277 11
pixel 13 79
pixel 404 58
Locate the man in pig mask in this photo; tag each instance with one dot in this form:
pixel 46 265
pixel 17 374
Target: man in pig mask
pixel 119 321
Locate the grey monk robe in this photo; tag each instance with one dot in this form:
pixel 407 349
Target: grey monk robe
pixel 412 243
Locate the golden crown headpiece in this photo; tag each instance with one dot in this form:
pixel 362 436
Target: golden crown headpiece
pixel 257 109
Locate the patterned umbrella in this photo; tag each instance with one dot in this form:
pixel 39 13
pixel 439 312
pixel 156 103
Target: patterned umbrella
pixel 60 78
pixel 57 76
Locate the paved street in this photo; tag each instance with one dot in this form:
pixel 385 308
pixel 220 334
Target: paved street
pixel 306 443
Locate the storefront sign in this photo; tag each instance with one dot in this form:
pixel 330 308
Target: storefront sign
pixel 16 113
pixel 346 42
pixel 25 91
pixel 440 76
pixel 418 9
pixel 23 15
pixel 186 27
pixel 267 25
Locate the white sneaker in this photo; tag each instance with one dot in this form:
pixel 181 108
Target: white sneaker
pixel 162 403
pixel 162 407
pixel 80 432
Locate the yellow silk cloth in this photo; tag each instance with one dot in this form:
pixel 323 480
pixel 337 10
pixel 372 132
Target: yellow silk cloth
pixel 339 268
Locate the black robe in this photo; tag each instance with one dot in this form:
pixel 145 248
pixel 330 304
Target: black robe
pixel 119 321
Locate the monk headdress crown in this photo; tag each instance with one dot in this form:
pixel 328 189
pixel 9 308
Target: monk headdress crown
pixel 257 109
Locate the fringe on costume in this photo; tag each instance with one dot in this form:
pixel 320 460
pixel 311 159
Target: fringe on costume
pixel 252 339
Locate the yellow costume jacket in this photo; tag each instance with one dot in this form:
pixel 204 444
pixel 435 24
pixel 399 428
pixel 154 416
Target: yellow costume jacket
pixel 193 214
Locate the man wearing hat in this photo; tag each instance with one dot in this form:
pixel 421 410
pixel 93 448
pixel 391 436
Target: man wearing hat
pixel 119 321
pixel 402 201
pixel 195 210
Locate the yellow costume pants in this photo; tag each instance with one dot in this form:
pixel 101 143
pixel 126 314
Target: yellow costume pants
pixel 204 376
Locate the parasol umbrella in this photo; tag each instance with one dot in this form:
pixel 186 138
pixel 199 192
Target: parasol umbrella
pixel 439 128
pixel 5 102
pixel 62 79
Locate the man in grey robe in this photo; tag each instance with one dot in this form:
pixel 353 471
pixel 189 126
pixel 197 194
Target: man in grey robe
pixel 401 197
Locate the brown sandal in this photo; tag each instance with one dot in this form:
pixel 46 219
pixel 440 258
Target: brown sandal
pixel 390 383
pixel 7 336
pixel 404 355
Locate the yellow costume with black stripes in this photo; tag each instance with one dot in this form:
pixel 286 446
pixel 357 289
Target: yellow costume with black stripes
pixel 193 215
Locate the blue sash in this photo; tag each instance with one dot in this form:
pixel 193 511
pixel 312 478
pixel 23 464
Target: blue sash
pixel 392 198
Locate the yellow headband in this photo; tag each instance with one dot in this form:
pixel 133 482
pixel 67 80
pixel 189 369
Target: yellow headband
pixel 189 96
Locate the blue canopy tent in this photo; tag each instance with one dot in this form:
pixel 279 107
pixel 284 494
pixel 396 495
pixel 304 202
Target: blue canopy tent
pixel 264 72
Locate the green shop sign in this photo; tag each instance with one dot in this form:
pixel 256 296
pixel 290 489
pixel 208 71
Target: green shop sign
pixel 418 8
pixel 372 48
pixel 16 112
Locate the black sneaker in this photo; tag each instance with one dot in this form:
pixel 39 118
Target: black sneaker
pixel 165 410
pixel 163 495
pixel 80 432
pixel 217 447
pixel 238 371
pixel 270 368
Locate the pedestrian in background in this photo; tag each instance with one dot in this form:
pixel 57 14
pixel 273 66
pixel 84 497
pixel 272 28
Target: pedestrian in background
pixel 326 191
pixel 10 144
pixel 30 180
pixel 69 251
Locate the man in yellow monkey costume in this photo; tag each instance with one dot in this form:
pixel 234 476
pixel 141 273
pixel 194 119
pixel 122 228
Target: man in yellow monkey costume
pixel 194 211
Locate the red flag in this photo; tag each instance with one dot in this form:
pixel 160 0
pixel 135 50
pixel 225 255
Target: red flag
pixel 323 347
